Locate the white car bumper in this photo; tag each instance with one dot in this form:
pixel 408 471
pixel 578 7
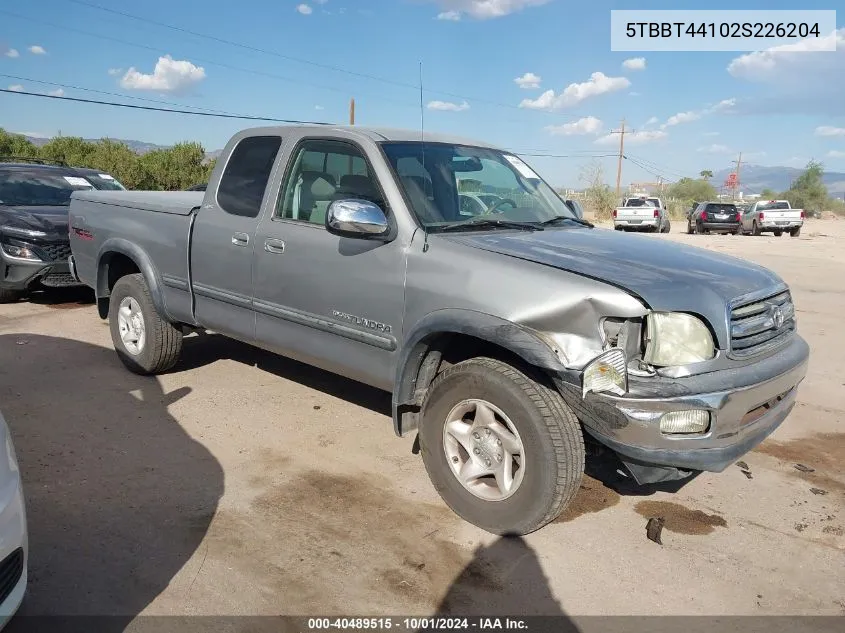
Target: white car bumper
pixel 14 538
pixel 637 224
pixel 783 225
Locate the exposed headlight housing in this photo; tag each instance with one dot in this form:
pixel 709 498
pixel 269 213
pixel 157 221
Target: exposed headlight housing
pixel 607 372
pixel 675 338
pixel 20 252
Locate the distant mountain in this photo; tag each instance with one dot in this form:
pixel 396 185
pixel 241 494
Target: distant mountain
pixel 755 178
pixel 139 147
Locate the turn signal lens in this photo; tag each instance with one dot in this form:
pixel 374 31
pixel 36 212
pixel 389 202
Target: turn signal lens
pixel 607 372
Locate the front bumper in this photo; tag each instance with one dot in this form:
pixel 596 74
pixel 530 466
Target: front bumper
pixel 746 405
pixel 22 274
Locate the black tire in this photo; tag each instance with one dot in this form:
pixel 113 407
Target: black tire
pixel 795 232
pixel 690 229
pixel 778 232
pixel 163 344
pixel 7 295
pixel 618 228
pixel 755 228
pixel 667 227
pixel 553 445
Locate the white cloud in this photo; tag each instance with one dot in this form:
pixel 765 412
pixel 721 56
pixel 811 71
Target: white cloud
pixel 453 16
pixel 115 71
pixel 635 63
pixel 632 138
pixel 529 81
pixel 11 52
pixel 587 125
pixel 835 153
pixel 799 78
pixel 485 9
pixel 304 9
pixel 319 107
pixel 716 149
pixel 37 50
pixel 169 75
pixel 827 130
pixel 447 106
pixel 652 121
pixel 58 92
pixel 575 93
pixel 681 117
pixel 16 88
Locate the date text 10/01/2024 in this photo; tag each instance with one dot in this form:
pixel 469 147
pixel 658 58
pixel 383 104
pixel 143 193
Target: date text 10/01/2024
pixel 416 624
pixel 765 30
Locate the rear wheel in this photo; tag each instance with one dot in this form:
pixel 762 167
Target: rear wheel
pixel 755 228
pixel 778 232
pixel 667 227
pixel 795 232
pixel 9 296
pixel 504 451
pixel 144 341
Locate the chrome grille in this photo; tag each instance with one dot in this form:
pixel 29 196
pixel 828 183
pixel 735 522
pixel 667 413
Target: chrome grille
pixel 762 324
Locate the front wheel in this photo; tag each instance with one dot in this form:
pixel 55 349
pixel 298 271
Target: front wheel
pixel 144 341
pixel 504 451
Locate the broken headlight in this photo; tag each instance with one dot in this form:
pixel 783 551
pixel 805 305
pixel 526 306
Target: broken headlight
pixel 675 338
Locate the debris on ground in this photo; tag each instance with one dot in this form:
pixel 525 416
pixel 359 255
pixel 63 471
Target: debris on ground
pixel 748 474
pixel 316 407
pixel 745 469
pixel 818 491
pixel 804 469
pixel 800 527
pixel 654 528
pixel 742 465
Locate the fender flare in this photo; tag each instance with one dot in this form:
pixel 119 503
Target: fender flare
pixel 141 260
pixel 517 339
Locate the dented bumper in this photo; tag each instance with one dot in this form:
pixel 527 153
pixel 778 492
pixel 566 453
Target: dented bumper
pixel 745 406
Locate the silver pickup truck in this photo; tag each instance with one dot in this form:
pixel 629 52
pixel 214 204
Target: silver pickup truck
pixel 506 337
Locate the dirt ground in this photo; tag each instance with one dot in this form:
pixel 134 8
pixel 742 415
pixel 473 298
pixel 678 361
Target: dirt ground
pixel 244 483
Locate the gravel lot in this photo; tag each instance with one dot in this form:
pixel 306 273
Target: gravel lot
pixel 244 483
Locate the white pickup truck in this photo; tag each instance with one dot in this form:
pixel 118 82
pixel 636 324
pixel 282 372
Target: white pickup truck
pixel 641 213
pixel 772 216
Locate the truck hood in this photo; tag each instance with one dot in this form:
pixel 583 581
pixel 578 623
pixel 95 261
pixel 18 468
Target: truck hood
pixel 52 220
pixel 666 276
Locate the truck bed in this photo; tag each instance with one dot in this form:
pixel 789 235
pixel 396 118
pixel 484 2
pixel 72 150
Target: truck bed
pixel 159 225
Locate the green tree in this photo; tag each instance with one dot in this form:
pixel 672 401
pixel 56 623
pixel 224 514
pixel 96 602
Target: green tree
pixel 177 167
pixel 769 194
pixel 12 145
pixel 689 190
pixel 71 150
pixel 808 191
pixel 117 159
pixel 706 174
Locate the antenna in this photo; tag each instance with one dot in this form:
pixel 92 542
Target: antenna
pixel 422 141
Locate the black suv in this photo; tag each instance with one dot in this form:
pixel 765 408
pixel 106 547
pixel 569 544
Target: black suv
pixel 34 244
pixel 714 217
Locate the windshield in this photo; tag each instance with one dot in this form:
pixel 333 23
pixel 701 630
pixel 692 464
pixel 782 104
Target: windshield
pixel 774 205
pixel 104 182
pixel 433 174
pixel 38 187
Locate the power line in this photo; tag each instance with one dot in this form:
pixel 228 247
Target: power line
pixel 300 60
pixel 170 110
pixel 111 94
pixel 657 166
pixel 210 62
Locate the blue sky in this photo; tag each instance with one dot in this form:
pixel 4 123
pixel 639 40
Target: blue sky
pixel 688 111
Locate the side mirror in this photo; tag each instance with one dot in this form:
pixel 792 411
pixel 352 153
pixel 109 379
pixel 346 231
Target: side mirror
pixel 355 218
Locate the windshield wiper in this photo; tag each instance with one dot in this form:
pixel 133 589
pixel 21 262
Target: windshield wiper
pixel 490 223
pixel 560 218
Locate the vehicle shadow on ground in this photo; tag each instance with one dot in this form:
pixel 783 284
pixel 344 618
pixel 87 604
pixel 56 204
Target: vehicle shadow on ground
pixel 63 298
pixel 205 349
pixel 504 579
pixel 118 496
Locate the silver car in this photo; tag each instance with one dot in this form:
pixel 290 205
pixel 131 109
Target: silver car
pixel 14 538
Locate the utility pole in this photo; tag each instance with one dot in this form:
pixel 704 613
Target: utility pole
pixel 619 165
pixel 352 111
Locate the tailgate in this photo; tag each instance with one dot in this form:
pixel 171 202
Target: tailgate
pixel 635 213
pixel 783 215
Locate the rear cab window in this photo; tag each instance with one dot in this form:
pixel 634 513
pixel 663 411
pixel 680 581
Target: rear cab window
pixel 245 178
pixel 774 205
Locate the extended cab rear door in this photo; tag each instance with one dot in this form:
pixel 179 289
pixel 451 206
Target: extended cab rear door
pixel 223 239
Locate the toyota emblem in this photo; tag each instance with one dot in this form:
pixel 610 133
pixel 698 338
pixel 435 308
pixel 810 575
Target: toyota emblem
pixel 777 317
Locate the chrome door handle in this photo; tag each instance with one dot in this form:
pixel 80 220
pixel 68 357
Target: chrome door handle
pixel 272 245
pixel 240 239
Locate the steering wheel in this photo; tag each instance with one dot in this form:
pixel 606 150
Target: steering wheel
pixel 494 207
